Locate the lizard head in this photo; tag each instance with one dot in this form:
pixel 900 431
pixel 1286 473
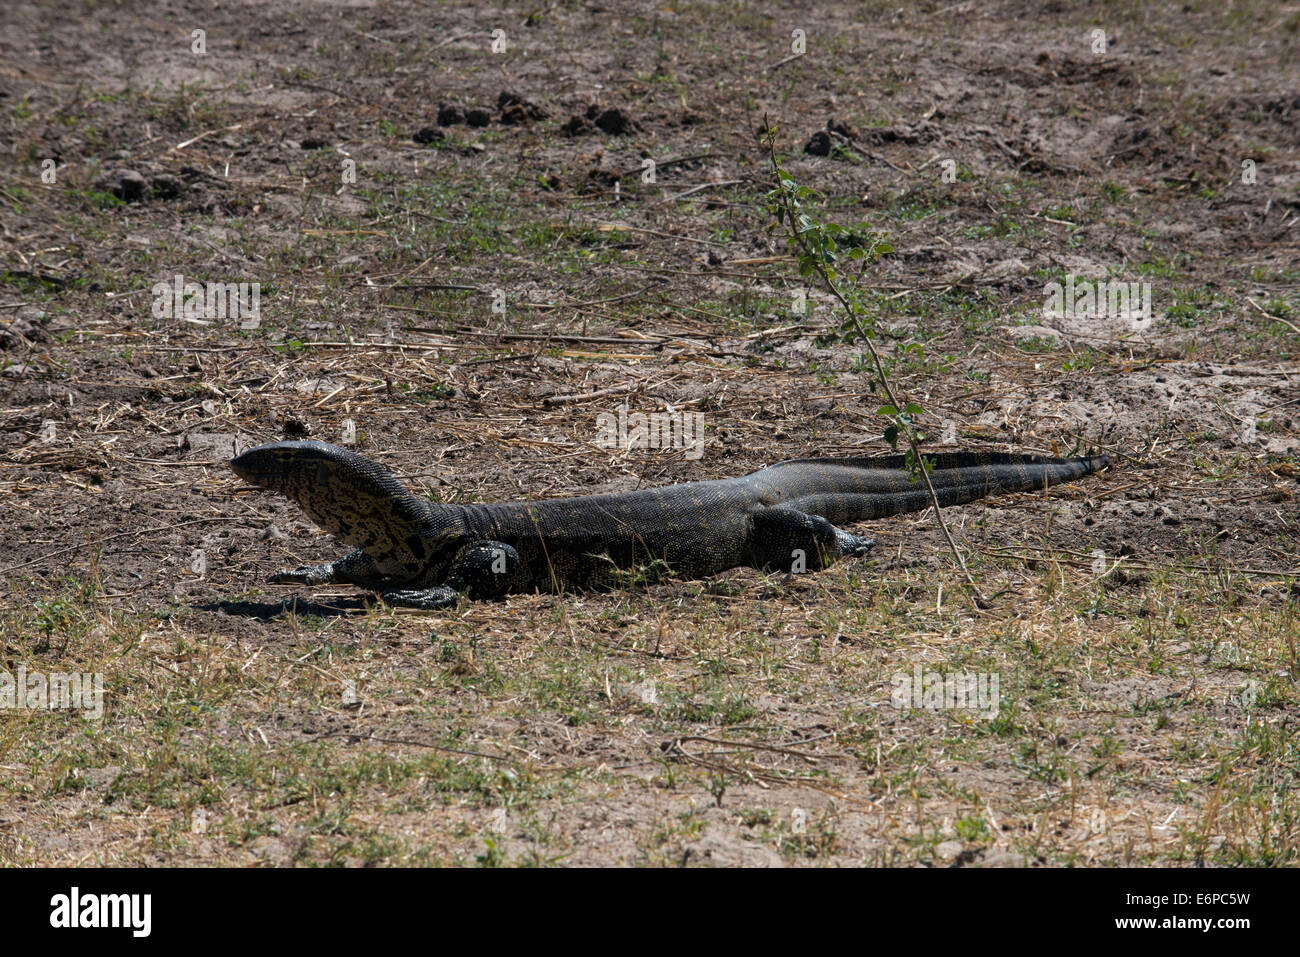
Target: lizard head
pixel 270 466
pixel 282 465
pixel 350 496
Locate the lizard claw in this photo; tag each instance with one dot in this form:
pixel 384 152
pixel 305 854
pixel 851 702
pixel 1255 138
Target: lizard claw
pixel 304 575
pixel 853 544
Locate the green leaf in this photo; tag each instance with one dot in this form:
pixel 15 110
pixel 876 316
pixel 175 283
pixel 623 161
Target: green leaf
pixel 887 410
pixel 891 436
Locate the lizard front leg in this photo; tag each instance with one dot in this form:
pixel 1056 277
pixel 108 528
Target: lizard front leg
pixel 356 568
pixel 786 539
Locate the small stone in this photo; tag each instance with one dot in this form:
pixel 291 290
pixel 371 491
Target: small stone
pixel 948 850
pixel 997 857
pixel 819 144
pixel 515 109
pixel 614 122
pixel 126 184
pixel 514 115
pixel 599 179
pixel 577 126
pixel 350 697
pixel 166 186
pixel 842 128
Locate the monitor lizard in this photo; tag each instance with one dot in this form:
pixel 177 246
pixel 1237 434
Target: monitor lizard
pixel 424 555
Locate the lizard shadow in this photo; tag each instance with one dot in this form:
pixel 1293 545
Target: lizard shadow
pixel 268 611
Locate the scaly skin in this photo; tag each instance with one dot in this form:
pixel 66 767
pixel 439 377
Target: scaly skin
pixel 782 517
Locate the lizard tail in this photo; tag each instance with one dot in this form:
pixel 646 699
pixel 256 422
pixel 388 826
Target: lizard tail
pixel 958 481
pixel 858 489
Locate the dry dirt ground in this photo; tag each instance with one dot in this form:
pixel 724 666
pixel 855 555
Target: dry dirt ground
pixel 450 292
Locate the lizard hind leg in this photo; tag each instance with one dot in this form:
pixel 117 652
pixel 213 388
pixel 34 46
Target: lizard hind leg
pixel 786 539
pixel 484 569
pixel 439 596
pixel 479 570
